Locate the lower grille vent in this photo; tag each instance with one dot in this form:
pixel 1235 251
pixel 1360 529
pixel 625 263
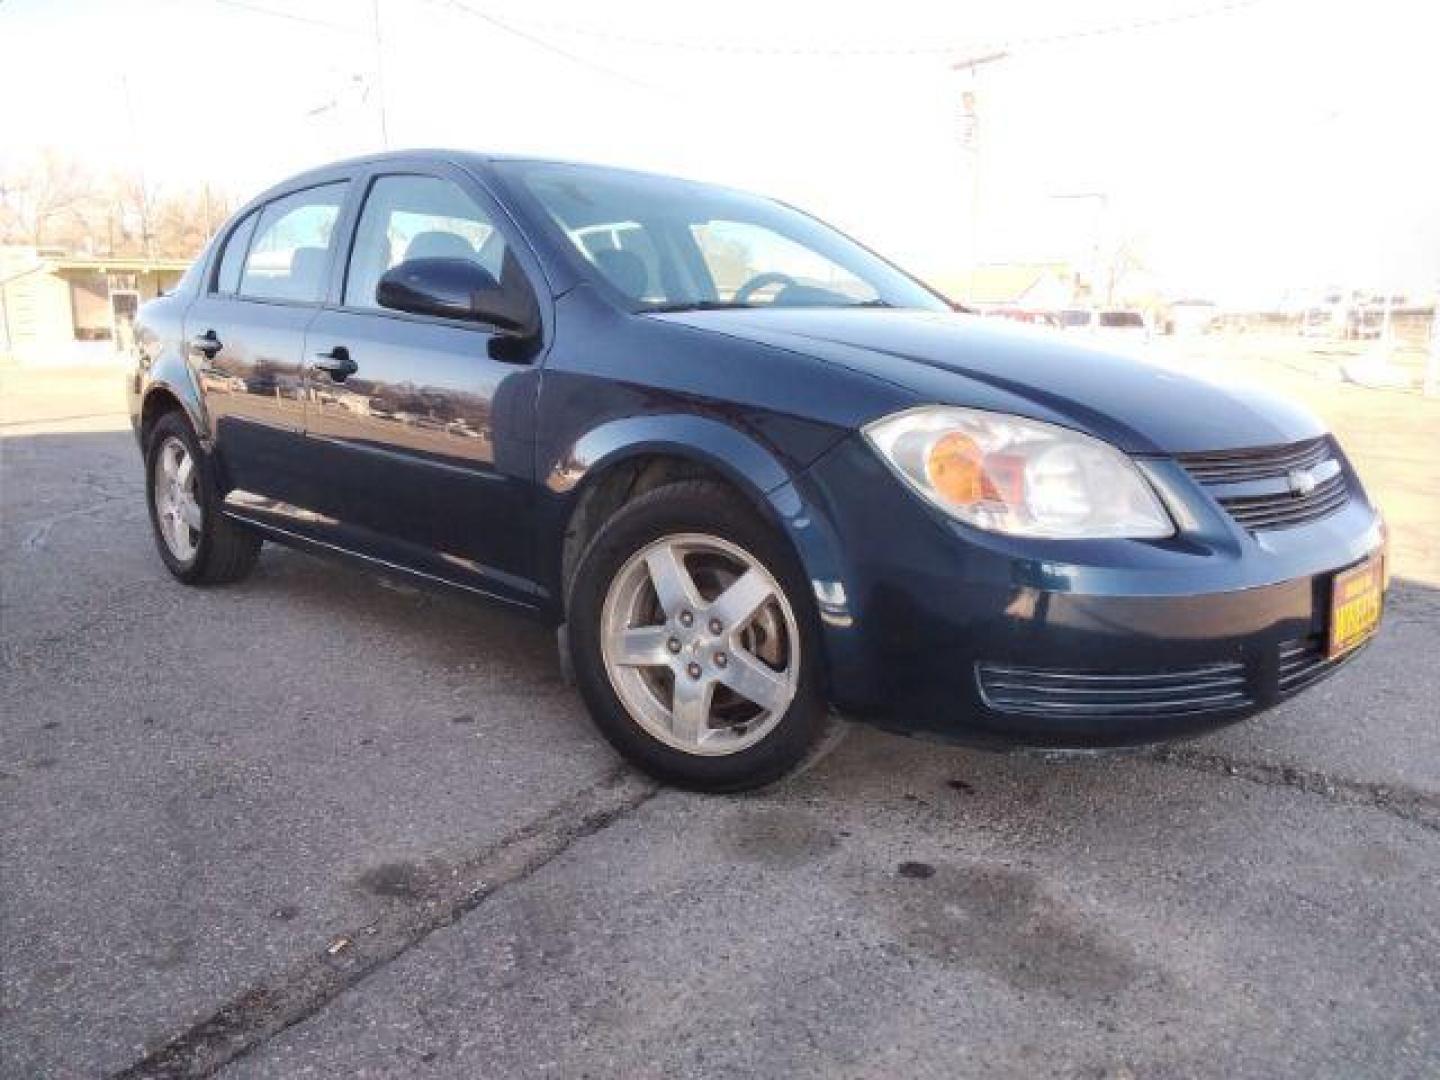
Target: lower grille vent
pixel 1303 661
pixel 1209 688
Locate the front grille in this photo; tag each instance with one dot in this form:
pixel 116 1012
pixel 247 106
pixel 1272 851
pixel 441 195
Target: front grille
pixel 1284 510
pixel 1253 486
pixel 1217 687
pixel 1303 661
pixel 1258 463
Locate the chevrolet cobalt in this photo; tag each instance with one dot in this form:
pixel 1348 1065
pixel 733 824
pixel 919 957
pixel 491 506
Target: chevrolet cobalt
pixel 748 468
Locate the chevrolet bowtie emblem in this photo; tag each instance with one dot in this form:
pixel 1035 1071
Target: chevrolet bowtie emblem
pixel 1302 482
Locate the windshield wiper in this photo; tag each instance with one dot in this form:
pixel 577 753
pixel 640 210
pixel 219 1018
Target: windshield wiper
pixel 701 305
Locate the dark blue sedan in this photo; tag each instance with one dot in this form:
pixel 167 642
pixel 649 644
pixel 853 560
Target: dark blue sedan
pixel 750 469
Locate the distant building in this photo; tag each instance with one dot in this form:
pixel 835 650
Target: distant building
pixel 57 308
pixel 1046 286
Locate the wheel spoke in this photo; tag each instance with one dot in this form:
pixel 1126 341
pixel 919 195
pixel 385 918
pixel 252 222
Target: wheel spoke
pixel 737 604
pixel 643 646
pixel 673 585
pixel 189 512
pixel 179 535
pixel 168 463
pixel 184 469
pixel 690 709
pixel 754 681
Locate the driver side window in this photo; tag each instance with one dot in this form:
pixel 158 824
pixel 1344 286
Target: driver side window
pixel 417 217
pixel 740 252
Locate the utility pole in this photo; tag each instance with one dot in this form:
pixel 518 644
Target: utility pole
pixel 379 74
pixel 971 142
pixel 1432 367
pixel 139 168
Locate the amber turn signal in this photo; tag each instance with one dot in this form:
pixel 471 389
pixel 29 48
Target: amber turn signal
pixel 963 474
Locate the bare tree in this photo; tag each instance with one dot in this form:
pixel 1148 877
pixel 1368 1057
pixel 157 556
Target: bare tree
pixel 39 194
pixel 55 201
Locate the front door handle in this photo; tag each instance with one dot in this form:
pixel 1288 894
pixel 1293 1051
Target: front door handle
pixel 336 363
pixel 206 344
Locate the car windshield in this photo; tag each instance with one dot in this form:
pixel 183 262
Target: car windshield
pixel 671 245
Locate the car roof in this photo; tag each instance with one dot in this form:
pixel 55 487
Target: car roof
pixel 462 158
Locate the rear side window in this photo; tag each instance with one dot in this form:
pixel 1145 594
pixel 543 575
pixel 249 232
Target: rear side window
pixel 293 240
pixel 232 261
pixel 417 217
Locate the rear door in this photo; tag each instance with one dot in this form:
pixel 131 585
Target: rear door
pixel 421 440
pixel 246 336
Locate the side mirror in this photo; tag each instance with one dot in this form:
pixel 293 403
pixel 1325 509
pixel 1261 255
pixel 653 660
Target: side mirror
pixel 457 289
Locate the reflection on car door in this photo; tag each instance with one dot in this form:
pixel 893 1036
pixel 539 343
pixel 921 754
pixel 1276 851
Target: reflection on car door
pixel 246 334
pixel 420 442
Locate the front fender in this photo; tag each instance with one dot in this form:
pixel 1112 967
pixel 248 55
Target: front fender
pixel 742 459
pixel 777 493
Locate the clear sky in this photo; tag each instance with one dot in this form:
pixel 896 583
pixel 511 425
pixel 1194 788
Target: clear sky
pixel 1252 146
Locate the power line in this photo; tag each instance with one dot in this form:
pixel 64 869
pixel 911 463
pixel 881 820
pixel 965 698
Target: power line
pixel 844 52
pixel 541 43
pixel 289 15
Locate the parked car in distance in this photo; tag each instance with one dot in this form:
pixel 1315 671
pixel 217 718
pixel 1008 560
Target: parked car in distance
pixel 1191 318
pixel 1028 316
pixel 1117 325
pixel 749 469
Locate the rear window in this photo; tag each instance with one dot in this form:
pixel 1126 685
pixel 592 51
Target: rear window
pixel 232 261
pixel 290 253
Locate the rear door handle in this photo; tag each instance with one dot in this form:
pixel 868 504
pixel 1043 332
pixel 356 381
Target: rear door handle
pixel 206 344
pixel 336 363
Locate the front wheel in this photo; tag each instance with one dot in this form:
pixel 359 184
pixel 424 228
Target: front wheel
pixel 692 637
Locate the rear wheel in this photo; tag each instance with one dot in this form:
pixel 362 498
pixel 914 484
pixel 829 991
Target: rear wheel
pixel 197 544
pixel 692 637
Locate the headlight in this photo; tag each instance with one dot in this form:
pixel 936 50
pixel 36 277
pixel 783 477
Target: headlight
pixel 1022 477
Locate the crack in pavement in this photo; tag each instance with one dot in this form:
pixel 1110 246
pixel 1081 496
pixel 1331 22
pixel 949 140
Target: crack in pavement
pixel 1407 803
pixel 312 982
pixel 39 528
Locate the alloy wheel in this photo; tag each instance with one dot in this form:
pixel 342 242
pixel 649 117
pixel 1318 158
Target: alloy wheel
pixel 700 644
pixel 177 499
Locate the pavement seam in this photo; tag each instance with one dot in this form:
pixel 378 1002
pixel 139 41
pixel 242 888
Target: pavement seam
pixel 304 988
pixel 1407 803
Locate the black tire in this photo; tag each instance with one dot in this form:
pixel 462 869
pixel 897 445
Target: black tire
pixel 226 551
pixel 695 506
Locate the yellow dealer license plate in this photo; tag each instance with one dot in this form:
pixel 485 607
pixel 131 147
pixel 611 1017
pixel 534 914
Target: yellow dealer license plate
pixel 1355 606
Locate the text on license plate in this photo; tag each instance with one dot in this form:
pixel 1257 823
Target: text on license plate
pixel 1354 606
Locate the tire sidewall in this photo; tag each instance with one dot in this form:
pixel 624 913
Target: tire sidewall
pixel 689 508
pixel 173 425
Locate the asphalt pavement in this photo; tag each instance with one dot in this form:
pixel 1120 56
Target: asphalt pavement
pixel 323 824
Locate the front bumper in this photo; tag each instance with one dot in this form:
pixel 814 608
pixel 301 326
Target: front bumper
pixel 961 634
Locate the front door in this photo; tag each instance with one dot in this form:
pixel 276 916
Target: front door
pixel 124 304
pixel 420 442
pixel 246 336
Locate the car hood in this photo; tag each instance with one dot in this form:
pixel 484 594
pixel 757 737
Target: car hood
pixel 956 359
